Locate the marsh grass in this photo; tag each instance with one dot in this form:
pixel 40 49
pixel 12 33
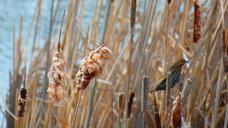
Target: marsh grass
pixel 138 63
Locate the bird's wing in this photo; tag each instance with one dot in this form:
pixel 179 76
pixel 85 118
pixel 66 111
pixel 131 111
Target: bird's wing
pixel 161 84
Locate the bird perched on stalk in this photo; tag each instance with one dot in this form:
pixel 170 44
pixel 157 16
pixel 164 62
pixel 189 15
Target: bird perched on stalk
pixel 173 75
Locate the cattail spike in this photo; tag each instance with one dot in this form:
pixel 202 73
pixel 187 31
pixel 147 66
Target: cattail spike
pixel 196 22
pixel 92 66
pixel 56 75
pixel 121 104
pixel 130 104
pixel 22 98
pixel 133 12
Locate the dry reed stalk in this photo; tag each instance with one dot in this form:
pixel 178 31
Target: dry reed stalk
pixel 73 119
pixel 144 97
pixel 217 98
pixel 90 105
pixel 225 50
pixel 129 74
pixel 196 22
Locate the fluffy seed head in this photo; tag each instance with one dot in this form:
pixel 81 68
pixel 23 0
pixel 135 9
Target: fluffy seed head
pixel 56 75
pixel 92 66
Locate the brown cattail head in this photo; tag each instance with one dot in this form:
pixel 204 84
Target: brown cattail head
pixel 121 101
pixel 56 75
pixel 169 1
pixel 133 12
pixel 176 113
pixel 130 104
pixel 196 22
pixel 92 66
pixel 21 102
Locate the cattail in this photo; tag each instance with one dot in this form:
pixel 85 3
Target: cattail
pixel 121 102
pixel 173 76
pixel 92 66
pixel 22 98
pixel 120 105
pixel 169 1
pixel 196 22
pixel 56 75
pixel 130 104
pixel 133 12
pixel 21 102
pixel 176 113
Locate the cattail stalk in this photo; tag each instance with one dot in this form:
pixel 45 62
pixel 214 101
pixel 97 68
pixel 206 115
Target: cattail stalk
pixel 144 95
pixel 225 50
pixel 217 97
pixel 132 25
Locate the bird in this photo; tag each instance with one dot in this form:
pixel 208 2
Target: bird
pixel 173 75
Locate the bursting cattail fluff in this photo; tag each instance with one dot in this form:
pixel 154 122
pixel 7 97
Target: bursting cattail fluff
pixel 56 75
pixel 21 102
pixel 92 66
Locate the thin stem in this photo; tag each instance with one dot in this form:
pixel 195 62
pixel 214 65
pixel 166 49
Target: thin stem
pixel 76 109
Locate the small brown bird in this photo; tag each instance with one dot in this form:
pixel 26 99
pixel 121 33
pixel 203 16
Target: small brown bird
pixel 174 74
